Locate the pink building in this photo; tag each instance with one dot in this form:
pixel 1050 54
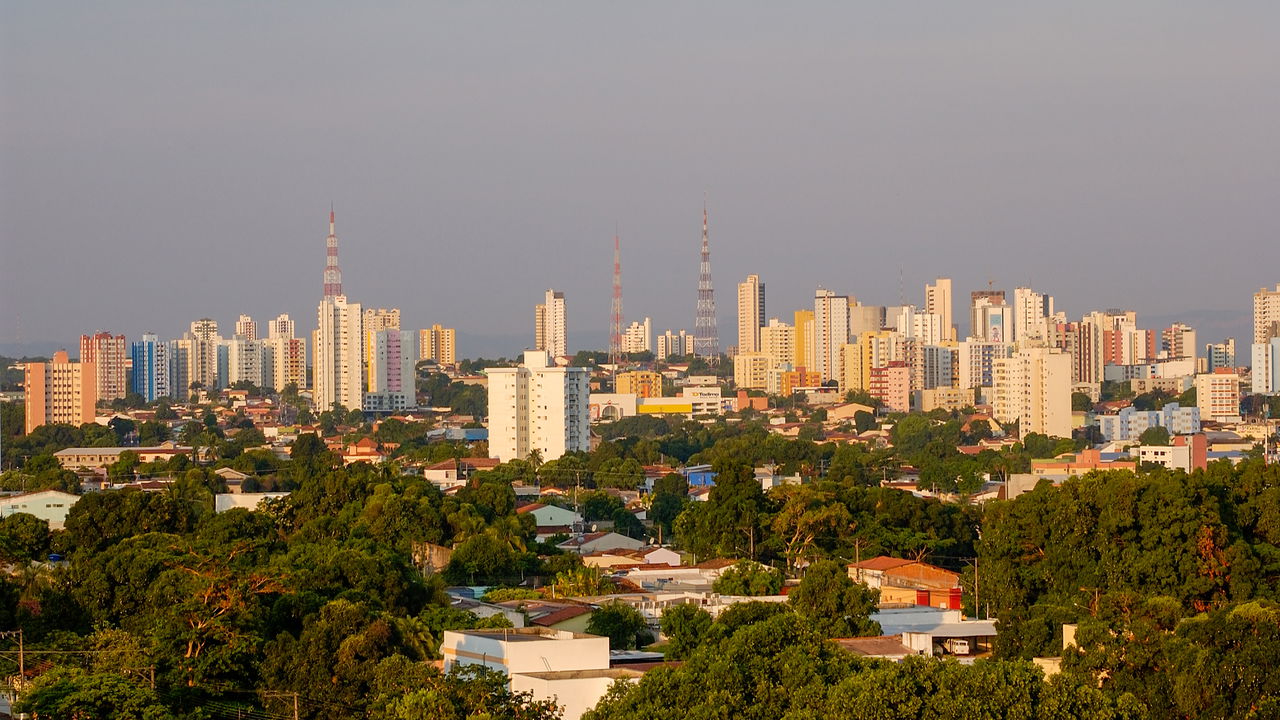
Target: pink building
pixel 891 385
pixel 107 352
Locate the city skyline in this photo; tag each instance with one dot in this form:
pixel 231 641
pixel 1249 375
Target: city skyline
pixel 1105 163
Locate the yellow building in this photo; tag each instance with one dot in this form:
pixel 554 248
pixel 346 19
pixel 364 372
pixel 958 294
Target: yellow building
pixel 804 356
pixel 751 370
pixel 641 383
pixel 438 343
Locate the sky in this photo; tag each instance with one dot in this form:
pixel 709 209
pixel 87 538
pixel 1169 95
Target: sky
pixel 162 162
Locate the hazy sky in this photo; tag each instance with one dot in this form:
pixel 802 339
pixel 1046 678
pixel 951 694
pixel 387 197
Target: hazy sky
pixel 161 162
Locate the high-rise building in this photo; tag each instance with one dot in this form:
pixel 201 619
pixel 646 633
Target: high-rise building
pixel 375 320
pixel 150 373
pixel 635 339
pixel 247 328
pixel 865 318
pixel 669 344
pixel 438 343
pixel 891 385
pixel 284 362
pixel 1266 314
pixel 1218 396
pixel 851 375
pixel 202 355
pixel 281 327
pixel 549 330
pixel 938 367
pixel 1031 313
pixel 1178 341
pixel 778 341
pixel 976 362
pixel 108 354
pixel 937 301
pixel 338 371
pixel 750 313
pixel 245 360
pixel 180 368
pixel 1033 387
pixel 392 361
pixel 59 391
pixel 751 370
pixel 1220 355
pixel 804 345
pixel 538 407
pixel 706 339
pixel 985 298
pixel 880 348
pixel 641 383
pixel 1265 372
pixel 830 331
pixel 992 319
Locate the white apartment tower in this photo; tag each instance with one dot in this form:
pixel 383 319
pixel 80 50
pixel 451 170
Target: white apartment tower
pixel 1266 314
pixel 937 301
pixel 338 347
pixel 830 331
pixel 1033 386
pixel 636 338
pixel 778 341
pixel 549 330
pixel 1031 312
pixel 672 343
pixel 538 407
pixel 202 358
pixel 281 327
pixel 247 328
pixel 750 314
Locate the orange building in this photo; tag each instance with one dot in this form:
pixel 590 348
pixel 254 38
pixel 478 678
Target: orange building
pixel 799 378
pixel 60 391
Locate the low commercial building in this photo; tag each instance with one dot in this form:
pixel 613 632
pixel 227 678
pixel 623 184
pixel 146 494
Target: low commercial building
pixel 88 458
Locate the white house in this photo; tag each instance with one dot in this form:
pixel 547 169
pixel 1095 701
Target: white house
pixel 600 541
pixel 51 506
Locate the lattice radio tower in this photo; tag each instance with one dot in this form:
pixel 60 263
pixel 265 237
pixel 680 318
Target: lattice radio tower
pixel 706 342
pixel 615 327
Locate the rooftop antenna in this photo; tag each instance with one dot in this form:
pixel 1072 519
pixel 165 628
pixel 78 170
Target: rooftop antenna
pixel 615 328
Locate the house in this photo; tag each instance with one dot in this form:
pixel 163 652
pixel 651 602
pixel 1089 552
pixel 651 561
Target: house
pixel 570 668
pixel 620 558
pixel 550 519
pixel 883 647
pixel 51 506
pixel 363 450
pixel 552 614
pixel 908 582
pixel 455 473
pixel 1068 464
pixel 937 631
pixel 232 477
pixel 223 502
pixel 598 541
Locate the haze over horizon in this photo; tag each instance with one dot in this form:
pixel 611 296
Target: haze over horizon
pixel 160 163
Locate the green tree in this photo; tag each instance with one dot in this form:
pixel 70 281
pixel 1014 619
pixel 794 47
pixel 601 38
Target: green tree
pixel 23 537
pixel 1154 435
pixel 748 578
pixel 685 626
pixel 68 692
pixel 833 603
pixel 622 624
pixel 1081 402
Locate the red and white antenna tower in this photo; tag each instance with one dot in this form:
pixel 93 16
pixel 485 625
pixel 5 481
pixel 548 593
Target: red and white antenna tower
pixel 615 328
pixel 332 273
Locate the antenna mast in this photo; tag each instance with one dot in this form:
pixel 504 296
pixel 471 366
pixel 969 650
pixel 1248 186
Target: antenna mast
pixel 615 328
pixel 706 342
